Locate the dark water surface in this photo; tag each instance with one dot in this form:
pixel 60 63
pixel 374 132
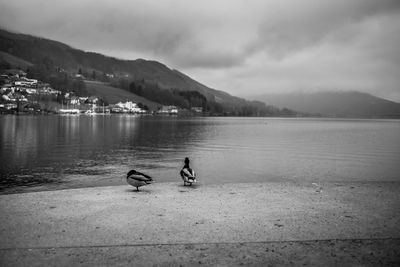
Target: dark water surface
pixel 53 152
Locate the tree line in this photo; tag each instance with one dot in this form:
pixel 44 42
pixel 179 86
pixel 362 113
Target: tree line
pixel 188 99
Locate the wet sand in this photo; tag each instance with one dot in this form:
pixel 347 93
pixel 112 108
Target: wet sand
pixel 229 224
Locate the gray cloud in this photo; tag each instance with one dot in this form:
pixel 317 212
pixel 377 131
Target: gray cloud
pixel 171 30
pixel 299 27
pixel 238 46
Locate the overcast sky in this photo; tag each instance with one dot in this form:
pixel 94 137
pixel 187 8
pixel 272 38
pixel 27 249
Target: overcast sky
pixel 242 47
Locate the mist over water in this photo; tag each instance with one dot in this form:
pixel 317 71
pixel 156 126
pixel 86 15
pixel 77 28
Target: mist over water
pixel 54 152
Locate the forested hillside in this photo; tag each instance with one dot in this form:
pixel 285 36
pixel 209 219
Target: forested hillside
pixel 66 69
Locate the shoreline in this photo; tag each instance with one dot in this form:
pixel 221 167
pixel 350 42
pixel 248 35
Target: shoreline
pixel 41 188
pixel 180 224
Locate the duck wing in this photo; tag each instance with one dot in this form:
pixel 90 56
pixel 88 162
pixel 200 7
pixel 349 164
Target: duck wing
pixel 145 175
pixel 131 172
pixel 140 178
pixel 188 173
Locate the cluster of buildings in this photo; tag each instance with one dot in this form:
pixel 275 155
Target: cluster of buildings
pixel 127 107
pixel 17 90
pixel 171 110
pixel 80 101
pixel 91 107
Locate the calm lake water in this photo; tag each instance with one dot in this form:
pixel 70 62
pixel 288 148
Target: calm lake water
pixel 53 152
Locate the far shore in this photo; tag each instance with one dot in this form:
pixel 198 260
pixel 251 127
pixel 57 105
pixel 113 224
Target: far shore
pixel 168 223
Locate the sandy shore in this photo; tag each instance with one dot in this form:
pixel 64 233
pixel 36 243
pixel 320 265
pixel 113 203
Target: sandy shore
pixel 166 223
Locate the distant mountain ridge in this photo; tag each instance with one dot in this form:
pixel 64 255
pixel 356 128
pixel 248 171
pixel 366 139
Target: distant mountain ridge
pixel 350 104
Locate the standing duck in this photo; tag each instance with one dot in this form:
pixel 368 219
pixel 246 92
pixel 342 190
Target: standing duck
pixel 187 173
pixel 138 179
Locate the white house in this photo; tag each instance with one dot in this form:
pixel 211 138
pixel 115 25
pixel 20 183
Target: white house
pixel 168 110
pixel 129 106
pixel 74 100
pixel 197 109
pixel 26 82
pixel 31 91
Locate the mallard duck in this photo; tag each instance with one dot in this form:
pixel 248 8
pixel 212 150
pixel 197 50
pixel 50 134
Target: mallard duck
pixel 187 174
pixel 138 179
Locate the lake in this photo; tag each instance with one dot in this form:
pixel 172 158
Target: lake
pixel 54 152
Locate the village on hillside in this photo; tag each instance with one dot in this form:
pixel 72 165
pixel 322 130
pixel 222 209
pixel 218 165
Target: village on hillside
pixel 19 94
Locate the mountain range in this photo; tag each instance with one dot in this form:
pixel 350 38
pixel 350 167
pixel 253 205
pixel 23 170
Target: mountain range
pixel 350 104
pixel 142 80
